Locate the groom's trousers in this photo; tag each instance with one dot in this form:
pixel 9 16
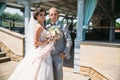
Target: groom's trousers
pixel 57 67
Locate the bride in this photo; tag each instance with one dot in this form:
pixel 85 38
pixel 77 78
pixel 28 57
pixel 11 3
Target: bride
pixel 37 64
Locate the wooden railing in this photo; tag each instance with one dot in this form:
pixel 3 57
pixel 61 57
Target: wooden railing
pixel 16 26
pixel 14 41
pixel 92 73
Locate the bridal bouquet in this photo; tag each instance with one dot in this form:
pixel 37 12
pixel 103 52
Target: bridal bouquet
pixel 54 32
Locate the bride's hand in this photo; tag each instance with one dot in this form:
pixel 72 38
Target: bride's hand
pixel 49 40
pixel 55 39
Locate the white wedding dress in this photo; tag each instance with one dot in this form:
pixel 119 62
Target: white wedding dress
pixel 37 64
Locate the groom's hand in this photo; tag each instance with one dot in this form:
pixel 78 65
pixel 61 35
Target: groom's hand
pixel 62 55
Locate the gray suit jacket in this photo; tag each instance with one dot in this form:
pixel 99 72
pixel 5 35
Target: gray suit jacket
pixel 64 43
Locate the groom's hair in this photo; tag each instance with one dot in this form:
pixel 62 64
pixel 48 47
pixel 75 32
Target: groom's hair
pixel 55 9
pixel 37 11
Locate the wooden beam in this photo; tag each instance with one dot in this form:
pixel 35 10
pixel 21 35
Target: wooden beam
pixel 10 1
pixel 61 9
pixel 33 1
pixel 64 7
pixel 14 5
pixel 113 8
pixel 108 12
pixel 113 5
pixel 64 4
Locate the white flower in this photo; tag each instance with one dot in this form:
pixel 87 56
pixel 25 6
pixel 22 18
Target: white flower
pixel 54 32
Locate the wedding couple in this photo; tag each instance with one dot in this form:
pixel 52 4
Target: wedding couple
pixel 44 59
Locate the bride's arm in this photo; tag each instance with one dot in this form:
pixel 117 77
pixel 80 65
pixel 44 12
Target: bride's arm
pixel 37 42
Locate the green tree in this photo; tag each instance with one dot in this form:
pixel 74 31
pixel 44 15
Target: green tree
pixel 12 17
pixel 117 24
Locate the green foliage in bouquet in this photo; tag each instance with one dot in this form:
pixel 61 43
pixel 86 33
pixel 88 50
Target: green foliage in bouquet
pixel 54 32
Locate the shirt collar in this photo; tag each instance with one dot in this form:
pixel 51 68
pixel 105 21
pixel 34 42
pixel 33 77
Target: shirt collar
pixel 56 23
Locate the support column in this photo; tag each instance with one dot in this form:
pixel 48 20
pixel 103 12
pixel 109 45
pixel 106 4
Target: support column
pixel 112 24
pixel 80 10
pixel 112 30
pixel 26 18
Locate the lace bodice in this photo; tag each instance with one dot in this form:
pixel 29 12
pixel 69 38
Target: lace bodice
pixel 43 35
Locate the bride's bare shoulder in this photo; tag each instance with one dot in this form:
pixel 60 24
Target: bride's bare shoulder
pixel 38 27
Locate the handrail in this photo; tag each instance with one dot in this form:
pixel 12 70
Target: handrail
pixel 90 72
pixel 14 41
pixel 20 36
pixel 12 22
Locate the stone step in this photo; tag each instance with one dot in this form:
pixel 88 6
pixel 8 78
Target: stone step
pixel 2 54
pixel 4 59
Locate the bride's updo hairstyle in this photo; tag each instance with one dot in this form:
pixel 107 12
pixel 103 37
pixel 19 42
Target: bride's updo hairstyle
pixel 37 11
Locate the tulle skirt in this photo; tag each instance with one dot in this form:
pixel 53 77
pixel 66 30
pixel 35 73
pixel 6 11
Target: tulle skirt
pixel 37 65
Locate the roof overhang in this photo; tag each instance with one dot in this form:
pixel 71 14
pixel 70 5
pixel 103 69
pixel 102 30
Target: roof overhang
pixel 104 7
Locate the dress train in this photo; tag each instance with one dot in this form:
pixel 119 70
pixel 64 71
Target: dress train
pixel 37 65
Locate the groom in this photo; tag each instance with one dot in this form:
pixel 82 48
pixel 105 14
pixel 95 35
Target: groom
pixel 62 46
